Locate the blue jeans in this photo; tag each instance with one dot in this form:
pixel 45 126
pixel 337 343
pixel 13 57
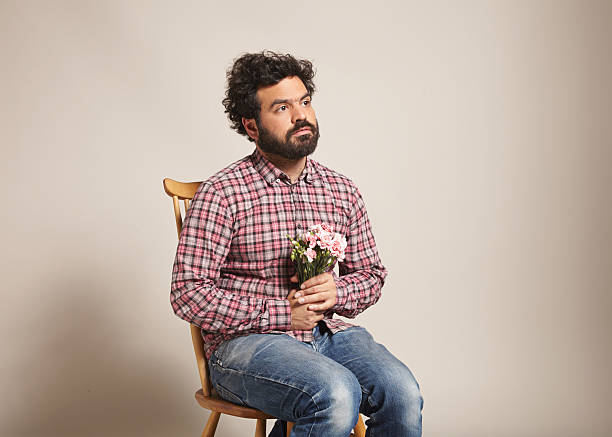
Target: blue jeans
pixel 320 385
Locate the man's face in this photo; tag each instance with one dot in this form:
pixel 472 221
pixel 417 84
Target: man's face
pixel 287 124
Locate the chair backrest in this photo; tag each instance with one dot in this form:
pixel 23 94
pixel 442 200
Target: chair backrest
pixel 185 191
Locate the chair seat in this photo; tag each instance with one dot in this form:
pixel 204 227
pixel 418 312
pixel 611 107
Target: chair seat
pixel 213 403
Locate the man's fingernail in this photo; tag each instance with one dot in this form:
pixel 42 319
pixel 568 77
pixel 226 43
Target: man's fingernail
pixel 297 294
pixel 301 300
pixel 302 286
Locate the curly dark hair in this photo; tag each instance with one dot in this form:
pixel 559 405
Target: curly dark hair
pixel 253 70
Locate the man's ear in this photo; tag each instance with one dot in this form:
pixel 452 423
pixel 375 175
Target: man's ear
pixel 251 127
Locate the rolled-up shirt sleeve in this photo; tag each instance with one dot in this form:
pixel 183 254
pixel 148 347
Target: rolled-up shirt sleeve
pixel 203 246
pixel 361 274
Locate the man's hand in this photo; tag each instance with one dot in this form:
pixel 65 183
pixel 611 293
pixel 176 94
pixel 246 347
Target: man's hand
pixel 309 304
pixel 302 319
pixel 319 291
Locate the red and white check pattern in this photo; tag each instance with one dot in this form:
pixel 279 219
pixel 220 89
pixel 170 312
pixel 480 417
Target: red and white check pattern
pixel 232 267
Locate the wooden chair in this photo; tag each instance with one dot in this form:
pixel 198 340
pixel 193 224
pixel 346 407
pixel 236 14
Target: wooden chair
pixel 207 396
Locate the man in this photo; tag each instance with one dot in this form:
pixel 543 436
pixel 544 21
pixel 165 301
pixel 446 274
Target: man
pixel 269 344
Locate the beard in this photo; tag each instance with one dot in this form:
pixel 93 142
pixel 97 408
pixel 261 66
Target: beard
pixel 291 147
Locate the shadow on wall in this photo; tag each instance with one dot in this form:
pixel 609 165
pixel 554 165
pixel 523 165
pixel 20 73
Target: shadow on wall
pixel 78 376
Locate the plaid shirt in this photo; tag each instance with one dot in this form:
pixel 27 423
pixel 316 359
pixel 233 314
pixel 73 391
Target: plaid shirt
pixel 232 267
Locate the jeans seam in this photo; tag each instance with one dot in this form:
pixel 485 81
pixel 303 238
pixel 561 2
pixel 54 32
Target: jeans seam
pixel 225 389
pixel 255 375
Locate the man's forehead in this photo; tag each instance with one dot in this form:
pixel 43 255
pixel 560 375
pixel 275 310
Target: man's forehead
pixel 289 88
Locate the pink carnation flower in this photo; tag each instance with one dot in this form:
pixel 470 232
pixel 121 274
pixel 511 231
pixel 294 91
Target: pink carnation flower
pixel 310 254
pixel 337 248
pixel 311 239
pixel 316 228
pixel 332 248
pixel 326 240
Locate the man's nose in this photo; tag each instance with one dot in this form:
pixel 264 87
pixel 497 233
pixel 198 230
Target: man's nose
pixel 299 113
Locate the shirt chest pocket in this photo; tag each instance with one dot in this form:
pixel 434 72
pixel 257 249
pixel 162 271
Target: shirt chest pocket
pixel 260 235
pixel 320 205
pixel 333 217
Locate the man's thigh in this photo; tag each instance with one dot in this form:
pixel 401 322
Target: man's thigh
pixel 274 373
pixel 378 371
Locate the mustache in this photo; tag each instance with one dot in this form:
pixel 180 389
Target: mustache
pixel 300 125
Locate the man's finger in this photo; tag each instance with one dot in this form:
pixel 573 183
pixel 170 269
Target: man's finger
pixel 311 298
pixel 309 291
pixel 317 280
pixel 320 307
pixel 315 289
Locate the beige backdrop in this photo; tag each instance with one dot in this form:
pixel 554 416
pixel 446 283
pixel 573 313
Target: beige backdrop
pixel 480 134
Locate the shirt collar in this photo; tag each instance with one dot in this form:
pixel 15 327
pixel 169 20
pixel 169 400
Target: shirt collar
pixel 272 174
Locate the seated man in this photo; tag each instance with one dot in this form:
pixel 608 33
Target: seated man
pixel 271 345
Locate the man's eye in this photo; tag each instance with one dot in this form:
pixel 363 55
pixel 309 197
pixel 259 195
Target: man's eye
pixel 282 108
pixel 306 102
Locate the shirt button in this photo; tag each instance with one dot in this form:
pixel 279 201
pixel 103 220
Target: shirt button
pixel 278 180
pixel 299 226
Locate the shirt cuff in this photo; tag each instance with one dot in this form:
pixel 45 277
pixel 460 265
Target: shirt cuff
pixel 342 288
pixel 279 311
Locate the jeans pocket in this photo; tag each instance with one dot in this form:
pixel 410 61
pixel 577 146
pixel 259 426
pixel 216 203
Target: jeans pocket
pixel 219 351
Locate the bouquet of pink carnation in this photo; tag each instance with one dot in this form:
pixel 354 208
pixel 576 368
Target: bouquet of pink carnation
pixel 316 251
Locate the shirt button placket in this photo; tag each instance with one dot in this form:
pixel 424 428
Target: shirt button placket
pixel 296 214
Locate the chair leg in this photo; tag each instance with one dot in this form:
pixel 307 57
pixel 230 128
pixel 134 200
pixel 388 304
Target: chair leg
pixel 211 424
pixel 260 428
pixel 289 428
pixel 360 429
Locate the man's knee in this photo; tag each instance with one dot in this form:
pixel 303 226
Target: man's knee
pixel 410 392
pixel 339 400
pixel 345 395
pixel 402 392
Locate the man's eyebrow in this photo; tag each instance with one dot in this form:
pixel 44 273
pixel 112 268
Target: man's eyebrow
pixel 277 101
